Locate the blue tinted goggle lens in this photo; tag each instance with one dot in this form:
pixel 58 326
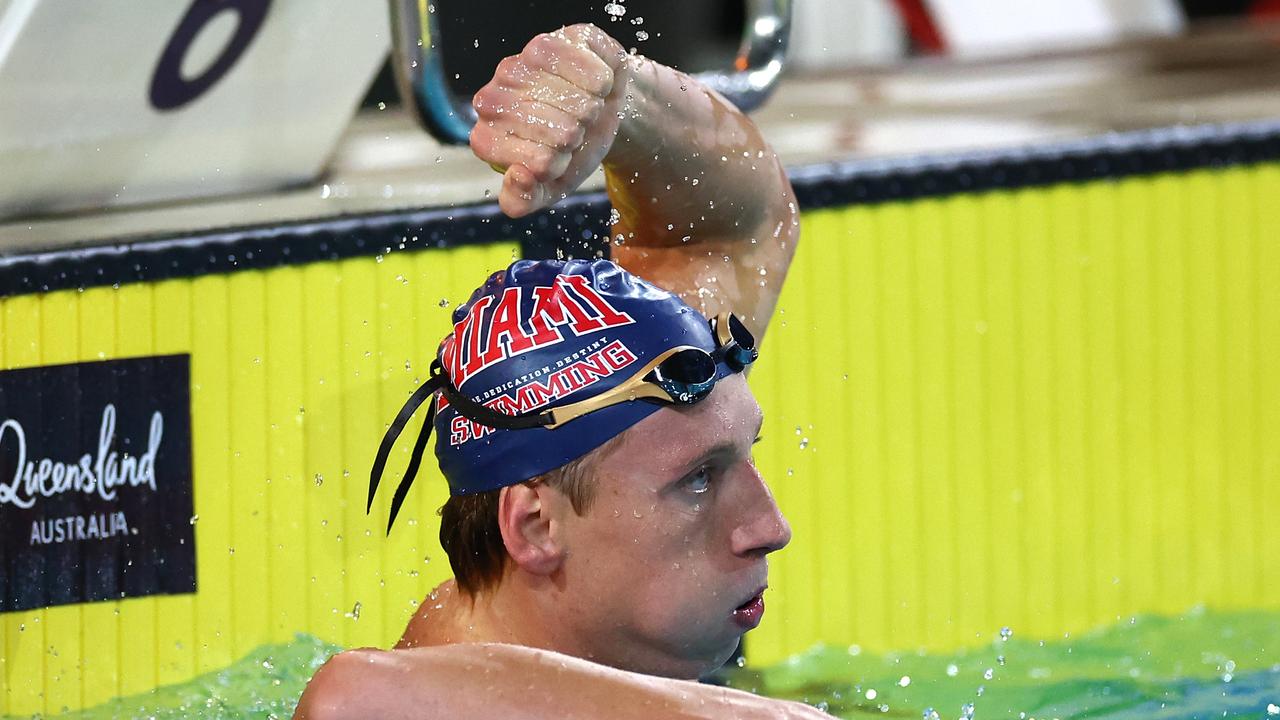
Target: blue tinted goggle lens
pixel 686 376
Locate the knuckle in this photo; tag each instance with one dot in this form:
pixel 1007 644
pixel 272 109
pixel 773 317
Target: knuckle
pixel 507 67
pixel 544 43
pixel 579 31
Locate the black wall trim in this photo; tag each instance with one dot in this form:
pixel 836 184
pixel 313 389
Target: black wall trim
pixel 579 226
pixel 1107 157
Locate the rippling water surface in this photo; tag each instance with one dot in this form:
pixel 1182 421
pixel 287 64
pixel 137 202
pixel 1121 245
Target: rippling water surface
pixel 1200 665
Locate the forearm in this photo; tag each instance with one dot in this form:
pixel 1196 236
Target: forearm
pixel 508 681
pixel 704 206
pixel 688 166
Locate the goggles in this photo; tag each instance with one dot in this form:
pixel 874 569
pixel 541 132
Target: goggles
pixel 683 375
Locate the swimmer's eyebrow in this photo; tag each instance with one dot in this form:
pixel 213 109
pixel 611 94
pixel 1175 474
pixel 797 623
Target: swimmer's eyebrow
pixel 718 451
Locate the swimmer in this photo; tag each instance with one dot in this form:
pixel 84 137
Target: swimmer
pixel 607 527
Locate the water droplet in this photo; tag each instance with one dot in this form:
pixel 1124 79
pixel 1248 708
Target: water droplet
pixel 615 10
pixel 319 479
pixel 966 711
pixel 1005 633
pixel 904 681
pixel 742 662
pixel 871 693
pixel 988 674
pixel 194 519
pixel 1273 709
pixel 952 670
pixel 804 443
pixel 930 714
pixel 355 611
pixel 642 35
pixel 444 302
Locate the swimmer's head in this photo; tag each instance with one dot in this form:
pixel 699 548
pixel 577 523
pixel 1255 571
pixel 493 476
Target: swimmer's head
pixel 547 361
pixel 635 435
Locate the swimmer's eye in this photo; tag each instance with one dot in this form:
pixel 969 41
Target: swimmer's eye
pixel 699 482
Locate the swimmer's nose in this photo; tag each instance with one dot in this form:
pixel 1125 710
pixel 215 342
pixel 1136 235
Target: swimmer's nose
pixel 763 528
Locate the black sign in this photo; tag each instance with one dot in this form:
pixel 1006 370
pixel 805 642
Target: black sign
pixel 95 482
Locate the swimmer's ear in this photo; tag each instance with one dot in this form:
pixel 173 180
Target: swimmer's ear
pixel 525 521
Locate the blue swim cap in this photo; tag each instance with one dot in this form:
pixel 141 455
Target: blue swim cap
pixel 538 335
pixel 547 333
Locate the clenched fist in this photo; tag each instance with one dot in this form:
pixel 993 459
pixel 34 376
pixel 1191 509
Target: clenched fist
pixel 550 115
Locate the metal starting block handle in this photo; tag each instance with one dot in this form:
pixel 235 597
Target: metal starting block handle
pixel 419 65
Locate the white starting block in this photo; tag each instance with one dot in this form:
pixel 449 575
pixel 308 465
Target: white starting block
pixel 113 103
pixel 988 27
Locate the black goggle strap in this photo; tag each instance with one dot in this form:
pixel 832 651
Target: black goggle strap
pixel 415 461
pixel 487 416
pixel 419 396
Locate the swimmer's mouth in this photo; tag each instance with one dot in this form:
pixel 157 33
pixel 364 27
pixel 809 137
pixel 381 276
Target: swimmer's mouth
pixel 752 600
pixel 748 614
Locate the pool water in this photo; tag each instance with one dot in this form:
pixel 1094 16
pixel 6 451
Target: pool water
pixel 1199 665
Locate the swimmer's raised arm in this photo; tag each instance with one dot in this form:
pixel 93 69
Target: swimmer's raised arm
pixel 510 681
pixel 691 177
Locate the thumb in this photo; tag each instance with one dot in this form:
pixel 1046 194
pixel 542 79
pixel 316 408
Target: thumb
pixel 521 194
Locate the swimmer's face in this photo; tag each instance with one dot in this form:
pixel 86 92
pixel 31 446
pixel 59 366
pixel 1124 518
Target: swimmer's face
pixel 664 571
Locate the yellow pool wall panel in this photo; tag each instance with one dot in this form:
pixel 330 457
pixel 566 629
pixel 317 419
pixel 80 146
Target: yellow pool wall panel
pixel 1044 409
pixel 294 373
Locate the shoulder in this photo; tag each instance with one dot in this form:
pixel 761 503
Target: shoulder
pixel 337 687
